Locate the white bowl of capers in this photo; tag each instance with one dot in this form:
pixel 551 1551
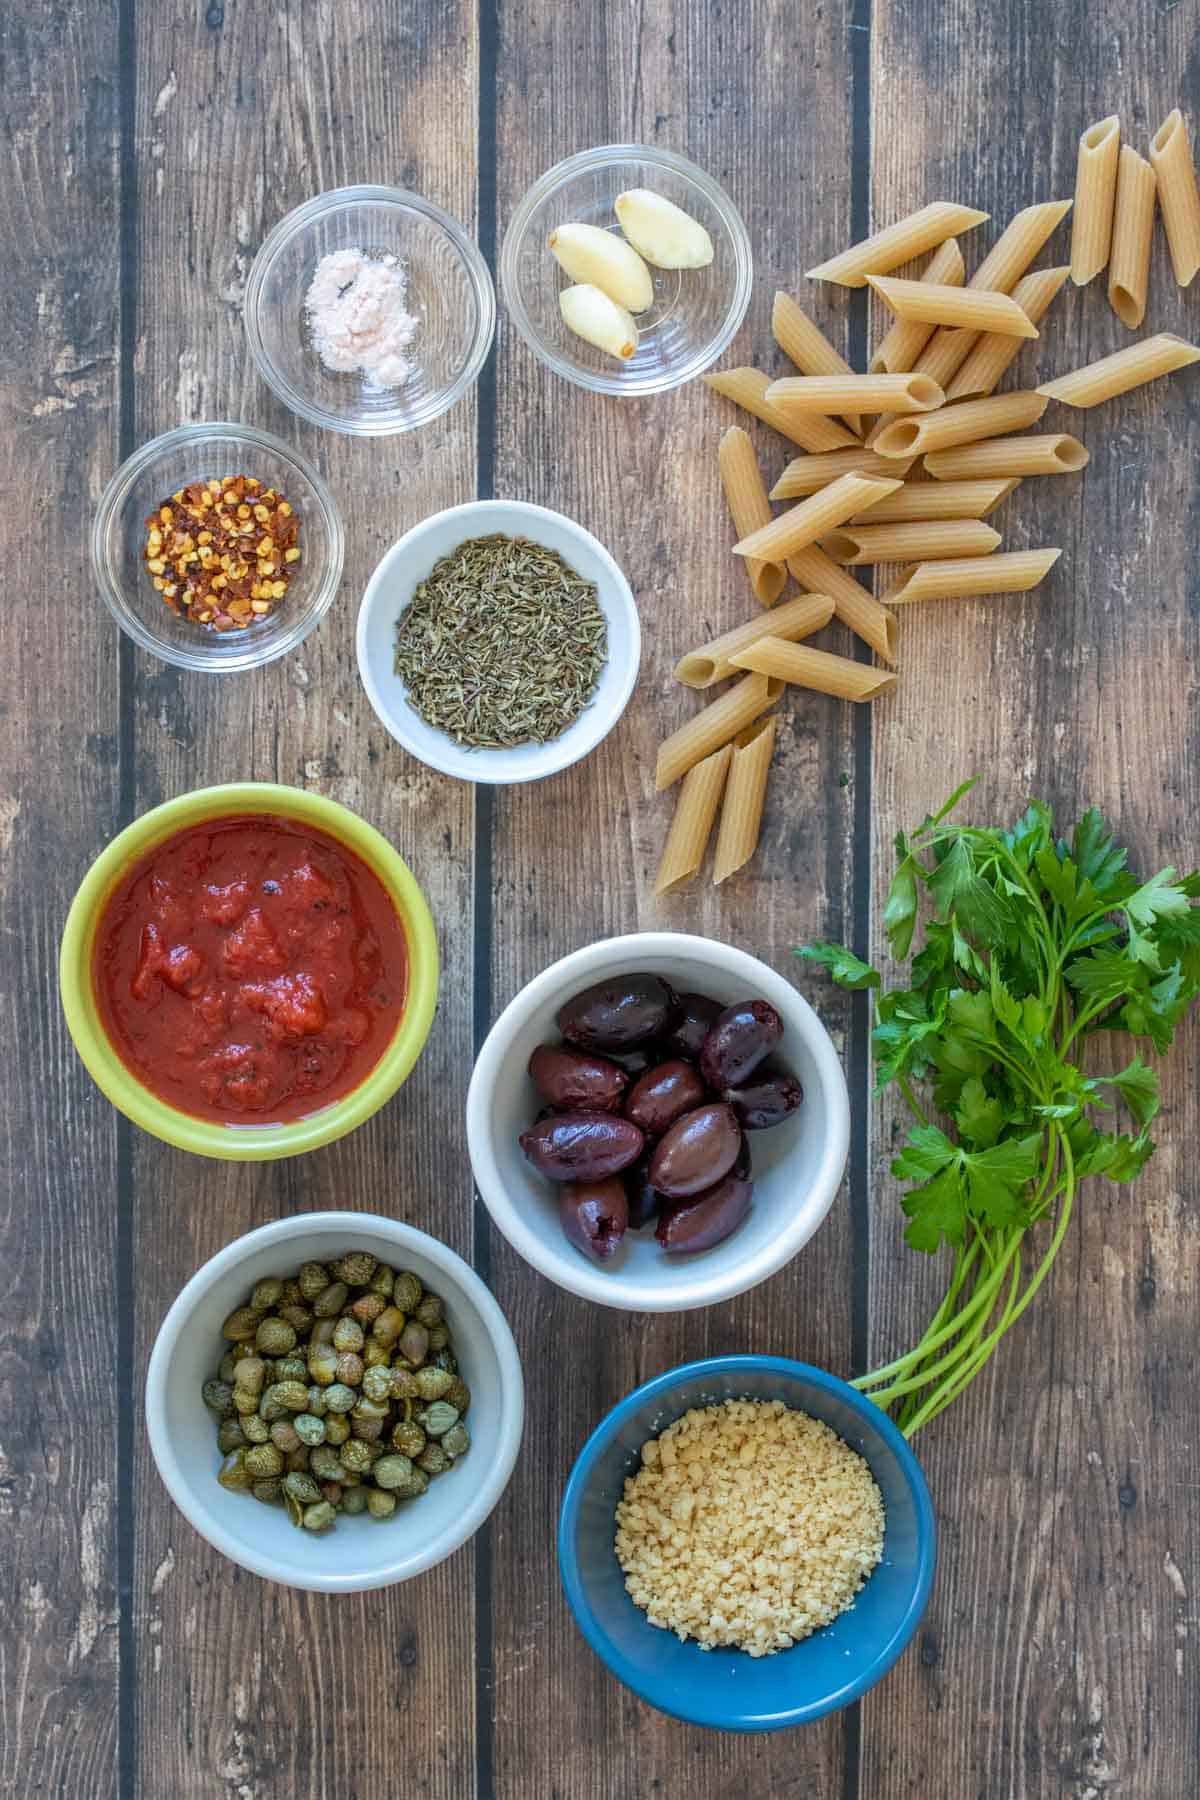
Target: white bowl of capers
pixel 345 1375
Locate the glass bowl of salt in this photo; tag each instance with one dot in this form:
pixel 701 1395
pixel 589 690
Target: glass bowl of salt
pixel 369 310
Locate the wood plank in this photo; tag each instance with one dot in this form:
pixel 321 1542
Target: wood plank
pixel 575 857
pixel 237 123
pixel 1055 1659
pixel 58 802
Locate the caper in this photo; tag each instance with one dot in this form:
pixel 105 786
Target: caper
pixel 365 1429
pixel 407 1291
pixel 377 1383
pixel 322 1331
pixel 290 1296
pixel 354 1499
pixel 245 1400
pixel 229 1363
pixel 367 1308
pixel 322 1364
pixel 324 1463
pixel 291 1395
pixel 332 1490
pixel 445 1359
pixel 218 1395
pixel 339 1398
pixel 355 1268
pixel 267 1491
pixel 317 1403
pixel 297 1460
pixel 264 1459
pixel 414 1342
pixel 433 1460
pixel 243 1323
pixel 404 1384
pixel 295 1511
pixel 437 1418
pixel 408 1438
pixel 388 1326
pixel 312 1280
pixel 355 1456
pixel 392 1471
pixel 458 1395
pixel 416 1485
pixel 233 1473
pixel 349 1367
pixel 274 1337
pixel 433 1384
pixel 309 1429
pixel 330 1301
pixel 284 1436
pixel 383 1281
pixel 439 1337
pixel 319 1517
pixel 255 1429
pixel 297 1316
pixel 431 1310
pixel 250 1373
pixel 230 1436
pixel 348 1335
pixel 290 1368
pixel 376 1355
pixel 337 1428
pixel 380 1505
pixel 457 1441
pixel 302 1488
pixel 267 1293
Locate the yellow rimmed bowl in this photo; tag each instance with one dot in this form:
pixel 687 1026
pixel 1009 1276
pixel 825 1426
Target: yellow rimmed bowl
pixel 114 1078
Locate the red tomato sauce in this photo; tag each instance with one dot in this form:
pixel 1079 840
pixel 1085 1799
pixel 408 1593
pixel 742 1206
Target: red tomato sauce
pixel 250 970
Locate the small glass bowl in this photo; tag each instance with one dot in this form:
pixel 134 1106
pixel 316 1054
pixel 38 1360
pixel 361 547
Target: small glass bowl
pixel 695 311
pixel 449 290
pixel 158 470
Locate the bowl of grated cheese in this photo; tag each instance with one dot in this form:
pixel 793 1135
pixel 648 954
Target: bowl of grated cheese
pixel 369 310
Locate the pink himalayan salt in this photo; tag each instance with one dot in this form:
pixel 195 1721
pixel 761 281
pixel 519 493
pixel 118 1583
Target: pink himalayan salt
pixel 358 317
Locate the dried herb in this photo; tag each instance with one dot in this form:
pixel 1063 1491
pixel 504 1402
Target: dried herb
pixel 502 644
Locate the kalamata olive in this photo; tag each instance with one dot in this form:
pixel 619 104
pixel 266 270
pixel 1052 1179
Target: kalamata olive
pixel 594 1215
pixel 695 1019
pixel 743 1164
pixel 697 1150
pixel 766 1099
pixel 636 1062
pixel 706 1219
pixel 642 1196
pixel 617 1014
pixel 582 1146
pixel 573 1079
pixel 738 1042
pixel 664 1094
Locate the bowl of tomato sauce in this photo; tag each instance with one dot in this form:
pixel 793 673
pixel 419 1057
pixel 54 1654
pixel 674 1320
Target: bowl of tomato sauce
pixel 249 971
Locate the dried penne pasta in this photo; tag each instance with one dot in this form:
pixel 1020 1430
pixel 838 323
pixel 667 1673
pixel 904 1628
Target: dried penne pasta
pixel 706 731
pixel 831 393
pixel 1125 369
pixel 695 810
pixel 806 345
pixel 961 424
pixel 1095 194
pixel 932 303
pixel 992 354
pixel 747 388
pixel 806 474
pixel 749 508
pixel 1133 227
pixel 1171 160
pixel 898 243
pixel 1011 572
pixel 937 500
pixel 797 618
pixel 852 604
pixel 898 351
pixel 745 792
pixel 914 541
pixel 802 667
pixel 1044 453
pixel 805 523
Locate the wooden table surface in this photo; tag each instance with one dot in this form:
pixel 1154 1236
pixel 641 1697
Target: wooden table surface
pixel 147 150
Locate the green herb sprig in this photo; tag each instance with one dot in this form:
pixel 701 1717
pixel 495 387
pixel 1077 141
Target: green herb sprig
pixel 1034 944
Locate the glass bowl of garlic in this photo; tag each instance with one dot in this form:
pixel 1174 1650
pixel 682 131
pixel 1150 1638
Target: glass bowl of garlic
pixel 653 307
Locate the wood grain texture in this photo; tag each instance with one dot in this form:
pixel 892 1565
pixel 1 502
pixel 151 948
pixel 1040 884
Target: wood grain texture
pixel 237 124
pixel 58 786
pixel 1057 1659
pixel 574 857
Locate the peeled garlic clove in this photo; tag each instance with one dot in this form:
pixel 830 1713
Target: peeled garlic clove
pixel 662 232
pixel 600 259
pixel 593 316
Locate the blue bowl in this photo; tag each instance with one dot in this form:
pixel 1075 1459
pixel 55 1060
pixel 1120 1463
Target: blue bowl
pixel 729 1689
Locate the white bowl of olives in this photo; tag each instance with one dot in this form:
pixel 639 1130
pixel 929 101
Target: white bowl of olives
pixel 419 1412
pixel 658 1122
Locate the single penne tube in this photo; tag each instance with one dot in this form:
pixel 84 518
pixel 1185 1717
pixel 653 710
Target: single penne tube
pixel 1095 194
pixel 745 792
pixel 749 508
pixel 1125 369
pixel 1010 572
pixel 747 388
pixel 691 828
pixel 1171 160
pixel 797 618
pixel 936 500
pixel 1133 228
pixel 800 666
pixel 706 731
pixel 862 612
pixel 961 424
pixel 1043 453
pixel 992 354
pixel 898 351
pixel 1001 269
pixel 834 393
pixel 914 541
pixel 935 303
pixel 806 474
pixel 898 243
pixel 812 518
pixel 805 344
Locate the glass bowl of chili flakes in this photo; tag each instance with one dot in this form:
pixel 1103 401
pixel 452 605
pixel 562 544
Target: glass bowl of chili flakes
pixel 217 547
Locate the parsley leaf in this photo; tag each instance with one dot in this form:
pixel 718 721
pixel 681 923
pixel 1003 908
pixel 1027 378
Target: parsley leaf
pixel 846 968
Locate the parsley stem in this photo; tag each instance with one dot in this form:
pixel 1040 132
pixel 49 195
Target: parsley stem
pixel 914 1105
pixel 941 1330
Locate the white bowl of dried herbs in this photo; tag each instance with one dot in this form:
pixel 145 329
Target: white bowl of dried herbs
pixel 498 641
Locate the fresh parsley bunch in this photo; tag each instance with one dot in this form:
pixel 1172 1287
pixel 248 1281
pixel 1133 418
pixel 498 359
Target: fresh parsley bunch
pixel 1034 944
